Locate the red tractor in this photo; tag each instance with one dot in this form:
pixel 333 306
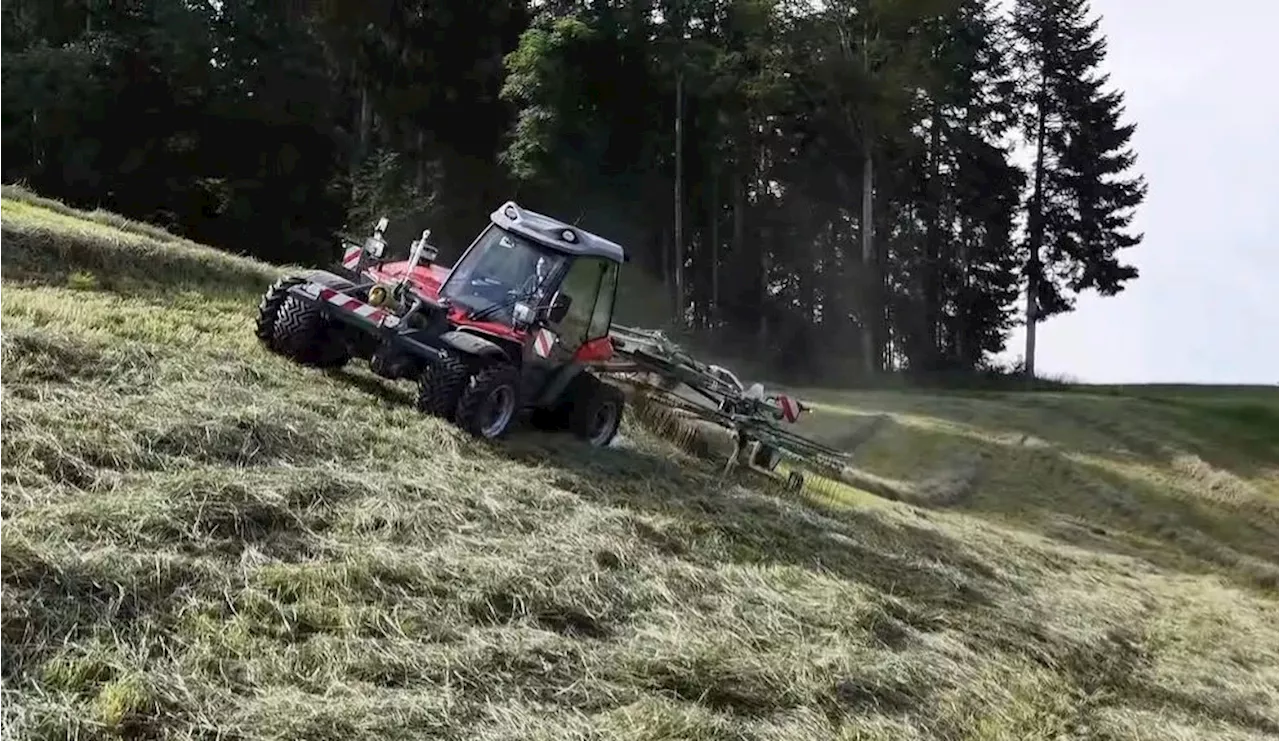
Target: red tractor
pixel 513 327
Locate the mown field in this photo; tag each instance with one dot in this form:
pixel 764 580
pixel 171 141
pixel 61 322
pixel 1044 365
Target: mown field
pixel 202 541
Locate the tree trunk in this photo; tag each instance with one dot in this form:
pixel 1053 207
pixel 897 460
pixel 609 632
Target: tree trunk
pixel 931 283
pixel 364 125
pixel 1035 221
pixel 887 356
pixel 37 154
pixel 763 298
pixel 964 243
pixel 713 254
pixel 420 174
pixel 871 279
pixel 679 202
pixel 960 330
pixel 739 222
pixel 763 236
pixel 809 278
pixel 665 252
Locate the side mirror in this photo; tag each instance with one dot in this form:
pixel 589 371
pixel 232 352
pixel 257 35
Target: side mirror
pixel 559 307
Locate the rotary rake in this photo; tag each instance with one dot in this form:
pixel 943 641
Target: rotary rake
pixel 660 370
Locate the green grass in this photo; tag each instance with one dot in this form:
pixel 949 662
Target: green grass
pixel 201 540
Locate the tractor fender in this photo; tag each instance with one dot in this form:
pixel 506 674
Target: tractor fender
pixel 327 279
pixel 470 344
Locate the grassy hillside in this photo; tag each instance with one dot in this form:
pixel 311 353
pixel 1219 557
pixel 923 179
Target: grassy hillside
pixel 1187 482
pixel 201 540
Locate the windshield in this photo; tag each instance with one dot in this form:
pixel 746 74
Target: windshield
pixel 502 269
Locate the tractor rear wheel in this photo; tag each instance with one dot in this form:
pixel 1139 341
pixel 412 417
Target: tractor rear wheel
pixel 490 401
pixel 302 332
pixel 596 411
pixel 440 386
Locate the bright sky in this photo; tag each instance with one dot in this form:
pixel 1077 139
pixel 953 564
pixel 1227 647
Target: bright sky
pixel 1201 84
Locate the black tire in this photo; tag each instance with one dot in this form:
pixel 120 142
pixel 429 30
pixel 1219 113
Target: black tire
pixel 304 334
pixel 495 385
pixel 269 309
pixel 440 386
pixel 596 411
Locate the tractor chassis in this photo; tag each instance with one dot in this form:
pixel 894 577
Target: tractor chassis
pixel 452 366
pixel 375 328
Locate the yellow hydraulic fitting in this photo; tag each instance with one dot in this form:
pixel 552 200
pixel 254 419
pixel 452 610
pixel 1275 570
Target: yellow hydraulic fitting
pixel 378 295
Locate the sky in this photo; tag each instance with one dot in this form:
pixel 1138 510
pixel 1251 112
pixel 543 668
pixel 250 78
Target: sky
pixel 1202 83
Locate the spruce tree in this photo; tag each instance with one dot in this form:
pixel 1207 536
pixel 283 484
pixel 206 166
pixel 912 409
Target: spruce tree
pixel 1082 196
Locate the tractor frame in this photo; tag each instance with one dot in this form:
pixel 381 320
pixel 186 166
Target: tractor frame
pixel 513 329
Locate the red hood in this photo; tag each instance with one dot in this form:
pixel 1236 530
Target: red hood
pixel 428 279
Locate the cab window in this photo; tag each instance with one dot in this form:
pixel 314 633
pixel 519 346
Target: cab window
pixel 603 313
pixel 581 284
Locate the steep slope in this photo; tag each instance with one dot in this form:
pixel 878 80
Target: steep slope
pixel 201 540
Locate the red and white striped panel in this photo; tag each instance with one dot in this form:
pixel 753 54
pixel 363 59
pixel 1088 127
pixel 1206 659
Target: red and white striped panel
pixel 358 307
pixel 790 409
pixel 351 258
pixel 543 341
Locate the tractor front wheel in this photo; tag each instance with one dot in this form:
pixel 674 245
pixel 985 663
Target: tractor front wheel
pixel 305 334
pixel 490 401
pixel 597 411
pixel 269 310
pixel 440 386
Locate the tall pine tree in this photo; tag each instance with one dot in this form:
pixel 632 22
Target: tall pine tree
pixel 1082 198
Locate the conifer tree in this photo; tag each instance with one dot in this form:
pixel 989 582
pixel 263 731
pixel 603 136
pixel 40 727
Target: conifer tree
pixel 1082 195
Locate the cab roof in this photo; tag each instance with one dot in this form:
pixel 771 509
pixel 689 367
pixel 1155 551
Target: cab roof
pixel 555 234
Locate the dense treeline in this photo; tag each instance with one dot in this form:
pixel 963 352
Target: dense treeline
pixel 818 178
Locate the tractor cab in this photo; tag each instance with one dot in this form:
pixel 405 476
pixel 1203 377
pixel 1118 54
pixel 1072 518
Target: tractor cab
pixel 501 271
pixel 553 284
